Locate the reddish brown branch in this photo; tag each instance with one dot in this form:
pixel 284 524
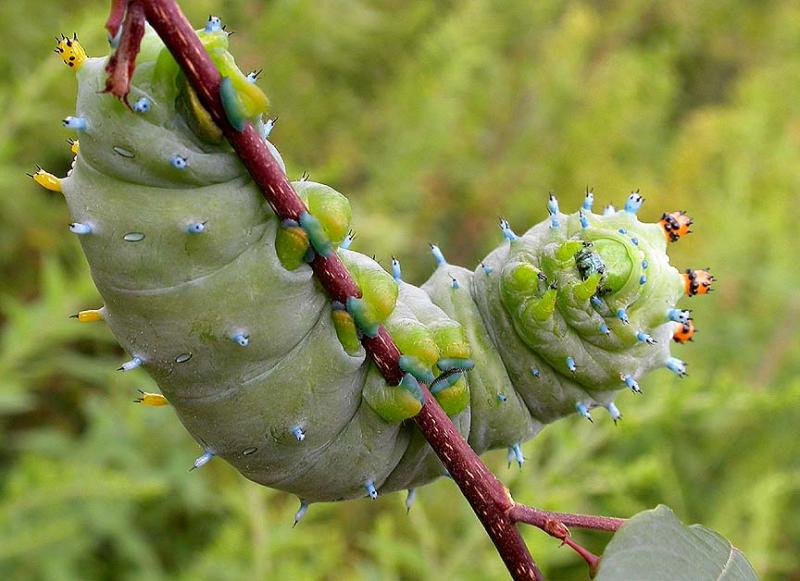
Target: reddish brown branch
pixel 123 62
pixel 114 21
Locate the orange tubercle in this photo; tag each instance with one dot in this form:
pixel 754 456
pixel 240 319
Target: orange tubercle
pixel 675 225
pixel 683 332
pixel 697 282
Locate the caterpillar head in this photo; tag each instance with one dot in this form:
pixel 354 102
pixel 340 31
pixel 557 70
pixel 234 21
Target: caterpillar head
pixel 582 302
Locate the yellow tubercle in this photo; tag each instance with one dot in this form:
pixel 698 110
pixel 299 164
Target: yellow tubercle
pixel 90 315
pixel 151 399
pixel 74 146
pixel 71 51
pixel 47 180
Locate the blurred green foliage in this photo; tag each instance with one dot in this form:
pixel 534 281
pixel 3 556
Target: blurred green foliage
pixel 435 117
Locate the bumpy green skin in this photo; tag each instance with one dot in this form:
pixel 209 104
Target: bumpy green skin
pixel 172 293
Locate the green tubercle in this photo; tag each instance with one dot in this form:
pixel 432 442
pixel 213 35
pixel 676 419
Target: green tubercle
pixel 541 309
pixel 378 291
pixel 451 340
pixel 452 394
pixel 568 249
pixel 346 331
pixel 331 208
pixel 395 403
pixel 585 289
pixel 291 245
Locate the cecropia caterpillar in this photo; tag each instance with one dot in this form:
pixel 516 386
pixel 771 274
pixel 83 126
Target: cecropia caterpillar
pixel 213 297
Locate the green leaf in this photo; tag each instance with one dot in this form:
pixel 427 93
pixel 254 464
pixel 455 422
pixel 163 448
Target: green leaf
pixel 655 545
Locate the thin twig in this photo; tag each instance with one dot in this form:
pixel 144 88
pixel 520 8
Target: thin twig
pixel 539 518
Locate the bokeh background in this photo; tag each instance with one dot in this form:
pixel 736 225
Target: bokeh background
pixel 435 117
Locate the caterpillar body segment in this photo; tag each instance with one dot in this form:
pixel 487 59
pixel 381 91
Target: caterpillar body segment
pixel 212 295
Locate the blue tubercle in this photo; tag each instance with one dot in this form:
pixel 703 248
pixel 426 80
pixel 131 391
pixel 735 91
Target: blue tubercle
pixel 622 231
pixel 267 128
pixel 252 76
pixel 588 201
pixel 178 162
pixel 535 372
pixel 142 105
pixel 437 255
pixel 634 241
pixel 410 497
pixel 348 240
pixel 552 208
pixel 396 272
pixel 241 339
pixel 677 366
pixel 597 302
pixel 515 454
pixel 487 270
pixel 645 264
pixel 609 210
pixel 584 220
pixel 298 433
pixel 502 398
pixel 301 512
pixel 508 233
pixel 634 202
pixel 80 229
pixel 571 364
pixel 132 364
pixel 454 282
pixel 196 228
pixel 370 488
pixel 202 460
pixel 622 315
pixel 643 279
pixel 214 24
pixel 77 123
pixel 581 408
pixel 614 412
pixel 604 329
pixel 682 316
pixel 632 384
pixel 643 337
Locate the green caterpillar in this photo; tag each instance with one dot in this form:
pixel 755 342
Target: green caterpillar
pixel 213 297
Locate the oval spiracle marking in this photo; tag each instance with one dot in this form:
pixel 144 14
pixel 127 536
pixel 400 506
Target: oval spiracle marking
pixel 123 152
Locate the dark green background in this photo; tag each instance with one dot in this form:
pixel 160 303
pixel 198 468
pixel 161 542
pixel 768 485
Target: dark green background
pixel 435 117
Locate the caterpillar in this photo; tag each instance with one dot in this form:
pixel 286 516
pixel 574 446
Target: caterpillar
pixel 212 295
